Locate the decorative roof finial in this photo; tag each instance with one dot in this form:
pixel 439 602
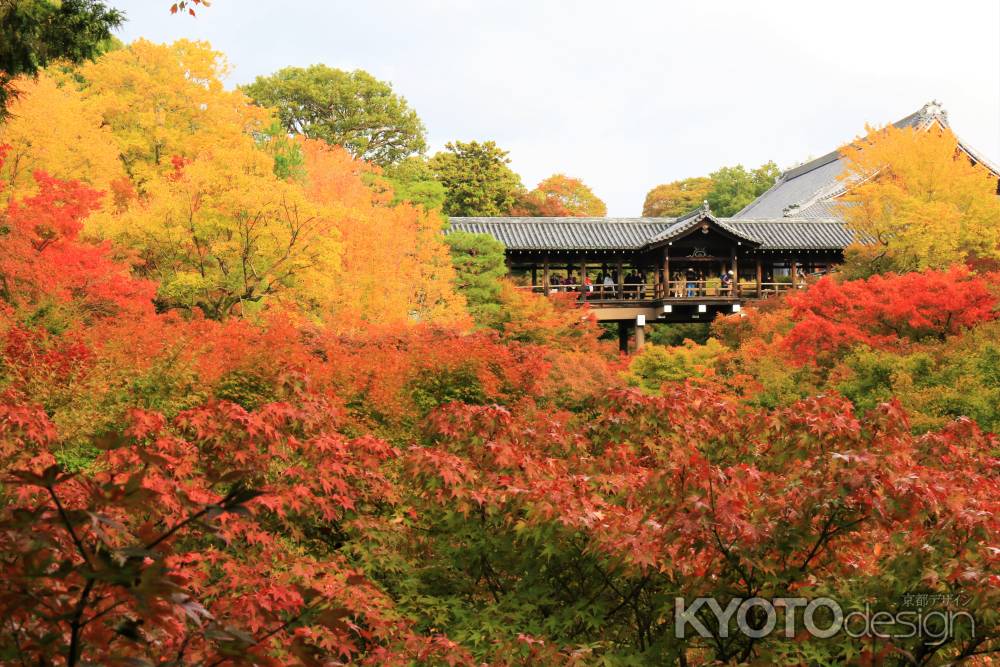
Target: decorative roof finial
pixel 704 206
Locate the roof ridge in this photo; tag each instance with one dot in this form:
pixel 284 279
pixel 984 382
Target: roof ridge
pixel 923 118
pixel 776 221
pixel 564 219
pixel 641 220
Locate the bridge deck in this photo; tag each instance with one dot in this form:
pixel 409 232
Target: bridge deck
pixel 696 301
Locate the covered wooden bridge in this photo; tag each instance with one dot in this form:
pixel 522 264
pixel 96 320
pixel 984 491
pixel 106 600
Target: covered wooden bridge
pixel 639 270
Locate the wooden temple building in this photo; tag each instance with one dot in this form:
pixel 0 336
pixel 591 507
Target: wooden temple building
pixel 641 270
pixel 636 271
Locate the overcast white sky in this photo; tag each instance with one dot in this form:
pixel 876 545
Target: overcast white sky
pixel 626 95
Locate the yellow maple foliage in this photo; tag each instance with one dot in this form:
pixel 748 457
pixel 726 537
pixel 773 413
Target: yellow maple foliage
pixel 207 217
pixel 395 267
pixel 916 200
pixel 51 129
pixel 161 101
pixel 223 234
pixel 197 201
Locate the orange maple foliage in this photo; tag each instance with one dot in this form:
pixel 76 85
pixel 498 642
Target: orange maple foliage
pixel 44 263
pixel 560 196
pixel 395 265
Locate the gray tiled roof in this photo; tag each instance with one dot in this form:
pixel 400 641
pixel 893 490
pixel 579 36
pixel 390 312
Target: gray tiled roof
pixel 795 187
pixel 566 233
pixel 796 233
pixel 808 190
pixel 637 233
pixel 690 220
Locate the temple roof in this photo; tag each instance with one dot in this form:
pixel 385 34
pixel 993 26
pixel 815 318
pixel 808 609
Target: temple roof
pixel 799 212
pixel 796 233
pixel 644 233
pixel 566 233
pixel 701 216
pixel 809 190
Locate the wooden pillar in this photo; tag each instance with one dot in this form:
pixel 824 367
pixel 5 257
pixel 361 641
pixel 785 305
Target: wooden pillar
pixel 760 276
pixel 583 273
pixel 623 336
pixel 621 279
pixel 545 274
pixel 665 289
pixel 735 283
pixel 640 338
pixel 534 275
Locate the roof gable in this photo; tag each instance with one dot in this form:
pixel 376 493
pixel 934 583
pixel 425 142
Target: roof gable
pixel 700 219
pixel 806 191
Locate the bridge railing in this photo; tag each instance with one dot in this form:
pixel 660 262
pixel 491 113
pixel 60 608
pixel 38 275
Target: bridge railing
pixel 674 290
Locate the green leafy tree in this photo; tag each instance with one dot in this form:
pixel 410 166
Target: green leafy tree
pixel 34 33
pixel 413 181
pixel 657 364
pixel 289 162
pixel 476 178
pixel 677 198
pixel 350 109
pixel 479 265
pixel 735 187
pixel 674 334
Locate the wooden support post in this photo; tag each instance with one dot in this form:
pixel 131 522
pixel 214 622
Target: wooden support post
pixel 735 282
pixel 545 274
pixel 760 277
pixel 665 289
pixel 621 279
pixel 583 274
pixel 623 336
pixel 640 338
pixel 534 275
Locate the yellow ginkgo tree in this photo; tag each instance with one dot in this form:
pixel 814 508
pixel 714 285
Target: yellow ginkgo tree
pixel 916 200
pixel 221 233
pixel 50 128
pixel 166 100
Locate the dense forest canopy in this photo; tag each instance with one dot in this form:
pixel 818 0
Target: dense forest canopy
pixel 255 409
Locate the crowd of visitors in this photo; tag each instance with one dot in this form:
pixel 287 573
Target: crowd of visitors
pixel 637 284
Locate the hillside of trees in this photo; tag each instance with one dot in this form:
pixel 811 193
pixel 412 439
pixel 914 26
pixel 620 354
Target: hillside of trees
pixel 255 409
